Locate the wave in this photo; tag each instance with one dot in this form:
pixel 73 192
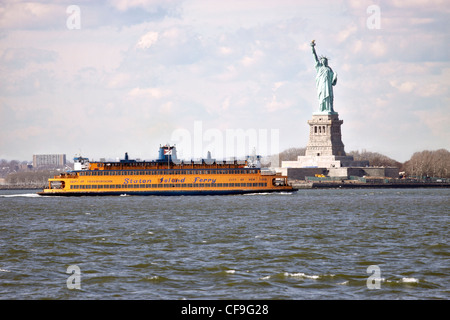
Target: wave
pixel 298 275
pixel 25 195
pixel 268 193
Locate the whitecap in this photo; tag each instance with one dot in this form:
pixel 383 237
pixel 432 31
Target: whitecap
pixel 409 280
pixel 301 275
pixel 26 195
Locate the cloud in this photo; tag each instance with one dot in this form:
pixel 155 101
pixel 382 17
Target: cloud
pixel 29 15
pixel 154 93
pixel 147 40
pixel 18 58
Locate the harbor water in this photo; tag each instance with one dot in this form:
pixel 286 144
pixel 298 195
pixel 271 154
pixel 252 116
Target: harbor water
pixel 309 244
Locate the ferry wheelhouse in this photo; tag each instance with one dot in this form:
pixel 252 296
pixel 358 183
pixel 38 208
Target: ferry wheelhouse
pixel 165 176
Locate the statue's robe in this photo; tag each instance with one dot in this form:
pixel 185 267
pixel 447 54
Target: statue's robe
pixel 326 78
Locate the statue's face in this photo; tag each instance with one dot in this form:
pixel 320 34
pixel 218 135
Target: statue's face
pixel 324 61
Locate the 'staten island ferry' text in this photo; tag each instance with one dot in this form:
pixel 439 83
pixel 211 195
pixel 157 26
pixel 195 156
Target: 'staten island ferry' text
pixel 164 176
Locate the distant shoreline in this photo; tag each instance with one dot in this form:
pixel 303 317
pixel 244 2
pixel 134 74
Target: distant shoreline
pixel 349 185
pixel 11 187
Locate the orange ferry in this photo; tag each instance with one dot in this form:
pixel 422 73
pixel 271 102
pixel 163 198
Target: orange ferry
pixel 164 176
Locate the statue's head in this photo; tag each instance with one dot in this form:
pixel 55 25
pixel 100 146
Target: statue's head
pixel 324 61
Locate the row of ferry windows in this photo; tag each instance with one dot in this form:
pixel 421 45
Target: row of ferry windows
pixel 167 185
pixel 163 172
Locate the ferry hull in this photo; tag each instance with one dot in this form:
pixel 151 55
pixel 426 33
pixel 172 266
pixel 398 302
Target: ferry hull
pixel 163 193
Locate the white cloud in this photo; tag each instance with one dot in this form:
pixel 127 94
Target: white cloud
pixel 154 93
pixel 147 40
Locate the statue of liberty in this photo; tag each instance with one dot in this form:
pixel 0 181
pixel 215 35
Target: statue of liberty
pixel 326 78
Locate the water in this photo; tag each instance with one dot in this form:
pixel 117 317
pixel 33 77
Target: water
pixel 310 244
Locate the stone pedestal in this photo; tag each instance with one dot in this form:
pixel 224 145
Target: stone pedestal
pixel 325 148
pixel 325 136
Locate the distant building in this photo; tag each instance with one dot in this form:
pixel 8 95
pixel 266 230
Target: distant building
pixel 49 160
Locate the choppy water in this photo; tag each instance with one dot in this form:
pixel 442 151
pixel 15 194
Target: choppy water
pixel 311 244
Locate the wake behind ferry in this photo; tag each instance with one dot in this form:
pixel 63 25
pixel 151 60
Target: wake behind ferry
pixel 165 176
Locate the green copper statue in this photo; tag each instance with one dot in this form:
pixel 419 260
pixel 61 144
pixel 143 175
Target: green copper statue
pixel 326 78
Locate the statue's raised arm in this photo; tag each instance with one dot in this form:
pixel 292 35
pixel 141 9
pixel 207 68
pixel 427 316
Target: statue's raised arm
pixel 313 44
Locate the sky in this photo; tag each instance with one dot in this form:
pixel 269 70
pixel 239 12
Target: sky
pixel 101 78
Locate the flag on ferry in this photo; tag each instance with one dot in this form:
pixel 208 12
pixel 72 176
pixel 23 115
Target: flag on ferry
pixel 167 152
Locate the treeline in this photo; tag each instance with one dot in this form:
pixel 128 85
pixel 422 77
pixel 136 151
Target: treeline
pixel 429 163
pixel 422 164
pixel 30 178
pixel 375 159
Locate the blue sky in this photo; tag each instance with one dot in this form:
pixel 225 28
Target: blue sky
pixel 136 71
